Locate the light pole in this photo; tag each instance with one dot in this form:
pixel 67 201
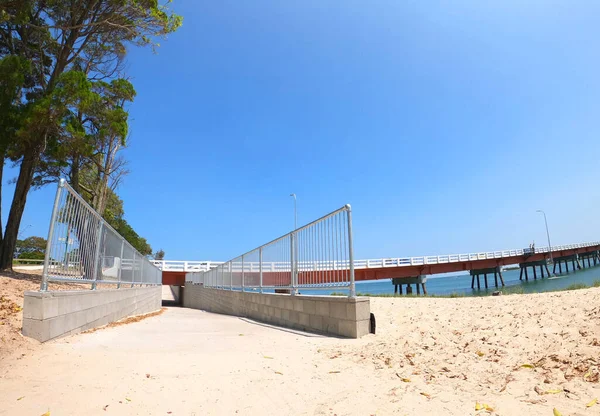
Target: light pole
pixel 547 233
pixel 295 212
pixel 294 256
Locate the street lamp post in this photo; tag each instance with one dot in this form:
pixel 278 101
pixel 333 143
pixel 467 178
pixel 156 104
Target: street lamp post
pixel 295 212
pixel 294 256
pixel 547 233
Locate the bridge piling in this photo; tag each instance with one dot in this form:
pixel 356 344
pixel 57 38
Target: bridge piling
pixel 418 281
pixel 476 274
pixel 534 264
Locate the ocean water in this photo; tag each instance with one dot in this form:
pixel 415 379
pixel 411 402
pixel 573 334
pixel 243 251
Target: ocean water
pixel 445 285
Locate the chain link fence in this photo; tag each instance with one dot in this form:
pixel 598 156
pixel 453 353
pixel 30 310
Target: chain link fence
pixel 83 248
pixel 316 256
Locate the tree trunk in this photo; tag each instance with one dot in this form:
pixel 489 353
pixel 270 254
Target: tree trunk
pixel 17 207
pixel 3 156
pixel 74 179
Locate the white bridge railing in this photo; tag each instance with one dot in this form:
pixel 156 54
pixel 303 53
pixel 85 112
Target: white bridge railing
pixel 194 266
pixel 185 266
pixel 455 258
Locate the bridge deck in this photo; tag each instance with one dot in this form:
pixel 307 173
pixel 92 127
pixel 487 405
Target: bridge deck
pixel 373 269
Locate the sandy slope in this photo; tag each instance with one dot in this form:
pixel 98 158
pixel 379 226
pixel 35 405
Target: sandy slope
pixel 430 356
pixel 12 287
pixel 468 350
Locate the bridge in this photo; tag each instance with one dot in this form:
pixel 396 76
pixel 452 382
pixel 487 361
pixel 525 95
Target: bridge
pixel 82 248
pixel 403 270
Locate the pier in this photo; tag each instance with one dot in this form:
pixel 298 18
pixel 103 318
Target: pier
pixel 406 272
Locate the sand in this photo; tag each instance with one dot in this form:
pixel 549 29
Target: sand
pixel 518 354
pixel 12 287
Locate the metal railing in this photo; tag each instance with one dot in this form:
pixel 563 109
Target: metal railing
pixel 185 266
pixel 316 256
pixel 83 248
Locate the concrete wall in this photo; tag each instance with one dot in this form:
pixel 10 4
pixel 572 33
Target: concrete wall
pixel 334 315
pixel 48 315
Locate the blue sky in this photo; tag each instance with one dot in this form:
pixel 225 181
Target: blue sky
pixel 444 124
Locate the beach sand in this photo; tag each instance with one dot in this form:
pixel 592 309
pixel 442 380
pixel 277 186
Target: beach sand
pixel 517 354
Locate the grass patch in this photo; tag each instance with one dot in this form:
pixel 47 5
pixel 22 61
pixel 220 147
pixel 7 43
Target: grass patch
pixel 596 283
pixel 411 295
pixel 512 290
pixel 456 295
pixel 577 286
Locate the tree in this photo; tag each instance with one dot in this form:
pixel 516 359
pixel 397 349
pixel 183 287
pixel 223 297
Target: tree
pixel 61 40
pixel 96 130
pixel 159 255
pixel 13 71
pixel 31 248
pixel 115 217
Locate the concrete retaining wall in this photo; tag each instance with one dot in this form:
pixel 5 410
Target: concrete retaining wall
pixel 48 315
pixel 335 315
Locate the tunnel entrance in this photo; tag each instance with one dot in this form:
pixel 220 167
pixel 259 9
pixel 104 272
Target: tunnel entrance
pixel 172 295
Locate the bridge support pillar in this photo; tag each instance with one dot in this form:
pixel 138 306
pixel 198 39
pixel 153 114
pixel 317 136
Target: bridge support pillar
pixel 476 274
pixel 575 260
pixel 590 256
pixel 533 264
pixel 418 281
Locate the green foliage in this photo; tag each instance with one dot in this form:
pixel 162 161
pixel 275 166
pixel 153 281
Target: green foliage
pixel 159 255
pixel 62 96
pixel 13 70
pixel 114 215
pixel 31 248
pixel 36 255
pixel 596 283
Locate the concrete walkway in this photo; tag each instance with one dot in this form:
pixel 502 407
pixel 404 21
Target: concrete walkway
pixel 183 362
